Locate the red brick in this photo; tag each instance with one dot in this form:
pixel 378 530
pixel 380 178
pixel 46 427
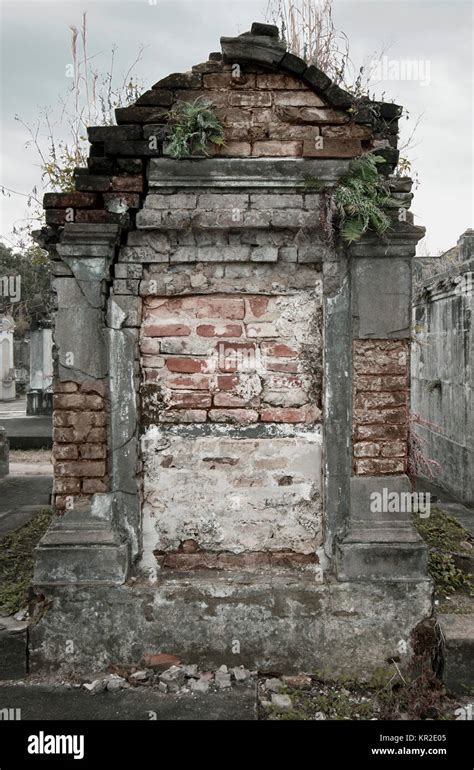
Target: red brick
pixel 377 466
pixel 65 452
pixel 210 330
pixel 230 401
pixel 226 80
pixel 374 400
pixel 80 468
pixel 66 387
pixel 227 381
pixel 61 502
pixel 384 357
pixel 364 382
pixel 366 449
pixel 231 561
pixel 167 330
pixel 92 216
pixel 350 130
pixel 336 147
pixel 198 382
pixel 82 422
pixel 241 416
pixel 394 449
pixel 278 349
pixel 152 375
pixel 77 401
pixel 127 183
pixel 56 216
pixel 396 416
pixel 253 99
pixel 283 415
pixel 160 661
pixel 277 80
pixel 395 383
pixel 67 486
pixel 220 307
pixel 258 305
pixel 93 451
pixel 232 149
pixel 277 149
pixel 97 435
pixel 282 367
pixel 73 200
pixel 63 435
pixel 189 400
pixel 283 382
pixel 185 365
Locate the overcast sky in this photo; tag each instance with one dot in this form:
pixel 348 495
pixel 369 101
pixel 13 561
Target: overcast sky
pixel 437 34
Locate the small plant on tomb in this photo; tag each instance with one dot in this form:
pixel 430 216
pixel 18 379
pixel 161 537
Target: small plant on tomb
pixel 360 198
pixel 194 125
pixel 356 204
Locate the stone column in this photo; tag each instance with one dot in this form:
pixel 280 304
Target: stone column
pixel 380 544
pixel 85 544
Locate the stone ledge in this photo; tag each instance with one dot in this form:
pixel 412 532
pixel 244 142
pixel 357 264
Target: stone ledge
pixel 243 172
pixel 380 561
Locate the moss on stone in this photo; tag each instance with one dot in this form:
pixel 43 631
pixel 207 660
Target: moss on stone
pixel 445 536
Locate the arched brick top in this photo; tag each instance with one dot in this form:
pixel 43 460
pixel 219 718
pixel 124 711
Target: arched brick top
pixel 277 107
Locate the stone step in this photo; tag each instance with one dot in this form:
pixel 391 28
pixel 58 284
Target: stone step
pixel 13 640
pixel 456 633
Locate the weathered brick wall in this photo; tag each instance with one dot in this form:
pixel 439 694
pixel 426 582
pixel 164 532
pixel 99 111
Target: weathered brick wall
pixel 233 358
pixel 380 406
pixel 79 441
pixel 264 114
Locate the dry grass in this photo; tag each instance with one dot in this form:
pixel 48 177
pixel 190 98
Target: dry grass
pixel 30 456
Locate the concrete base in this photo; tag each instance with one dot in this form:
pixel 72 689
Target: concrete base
pixel 271 620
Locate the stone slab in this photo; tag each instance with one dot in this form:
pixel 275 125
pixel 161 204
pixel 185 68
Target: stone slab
pixel 381 300
pixel 283 620
pixel 243 172
pixel 457 640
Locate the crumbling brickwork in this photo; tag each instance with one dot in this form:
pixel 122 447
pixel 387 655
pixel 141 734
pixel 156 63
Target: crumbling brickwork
pixel 79 441
pixel 233 358
pixel 380 406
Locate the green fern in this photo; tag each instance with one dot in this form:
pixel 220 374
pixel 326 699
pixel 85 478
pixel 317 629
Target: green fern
pixel 360 198
pixel 194 125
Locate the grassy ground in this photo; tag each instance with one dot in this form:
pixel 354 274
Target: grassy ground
pixel 17 560
pixel 390 695
pixel 445 537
